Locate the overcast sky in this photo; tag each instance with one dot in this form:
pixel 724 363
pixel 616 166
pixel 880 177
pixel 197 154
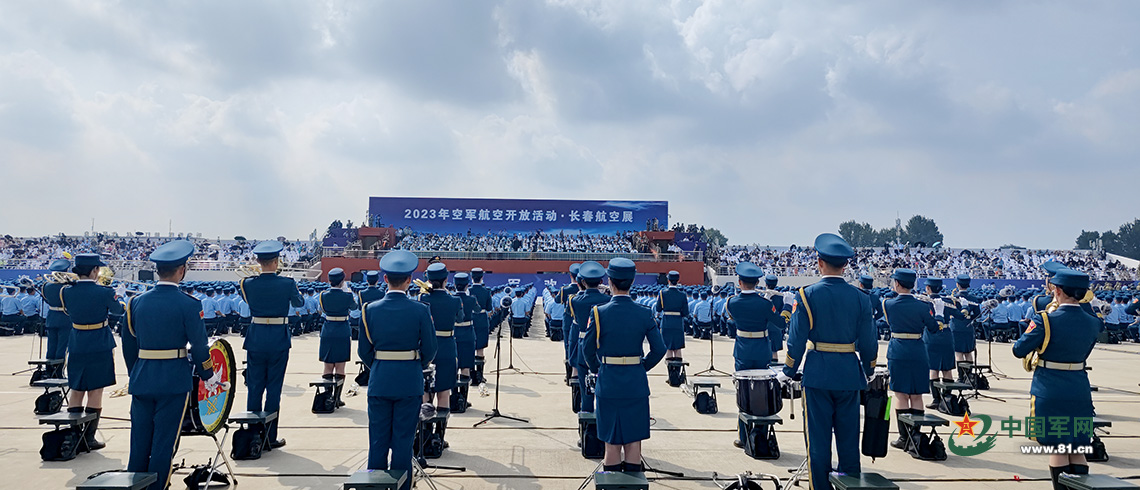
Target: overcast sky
pixel 1005 121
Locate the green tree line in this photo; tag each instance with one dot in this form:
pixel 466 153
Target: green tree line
pixel 918 229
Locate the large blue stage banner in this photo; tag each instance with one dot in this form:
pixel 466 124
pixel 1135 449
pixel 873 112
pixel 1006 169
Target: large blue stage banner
pixel 447 215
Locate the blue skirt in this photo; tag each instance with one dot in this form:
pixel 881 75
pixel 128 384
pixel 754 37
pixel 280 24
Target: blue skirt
pixel 964 340
pixel 465 354
pixel 1068 409
pixel 940 351
pixel 674 338
pixel 909 377
pixel 336 342
pixel 482 331
pixel 91 370
pixel 445 365
pixel 622 420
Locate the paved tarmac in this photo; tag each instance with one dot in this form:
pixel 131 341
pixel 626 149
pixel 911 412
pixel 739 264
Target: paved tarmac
pixel 323 450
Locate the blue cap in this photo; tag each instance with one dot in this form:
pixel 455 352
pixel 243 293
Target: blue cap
pixel 399 263
pixel 172 254
pixel 771 280
pixel 591 270
pixel 372 277
pixel 336 276
pixel 964 280
pixel 462 279
pixel 905 275
pixel 268 249
pixel 477 274
pixel 1051 267
pixel 437 272
pixel 933 283
pixel 867 281
pixel 89 260
pixel 60 265
pixel 621 268
pixel 674 276
pixel 833 249
pixel 748 271
pixel 1069 278
pixel 574 268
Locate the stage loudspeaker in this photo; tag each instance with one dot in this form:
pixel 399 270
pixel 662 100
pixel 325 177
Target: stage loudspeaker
pixel 145 276
pixel 357 276
pixel 661 279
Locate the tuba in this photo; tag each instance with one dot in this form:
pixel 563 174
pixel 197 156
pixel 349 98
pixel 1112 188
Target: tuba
pixel 106 275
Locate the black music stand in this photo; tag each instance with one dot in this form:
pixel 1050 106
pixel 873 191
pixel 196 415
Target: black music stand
pixel 495 413
pixel 711 368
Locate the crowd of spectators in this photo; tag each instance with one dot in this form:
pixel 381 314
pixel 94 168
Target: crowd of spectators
pixel 38 252
pixel 982 263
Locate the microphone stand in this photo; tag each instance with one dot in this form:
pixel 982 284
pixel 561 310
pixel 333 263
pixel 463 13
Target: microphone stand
pixel 495 413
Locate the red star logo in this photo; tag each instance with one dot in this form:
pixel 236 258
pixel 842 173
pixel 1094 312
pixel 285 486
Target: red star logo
pixel 966 426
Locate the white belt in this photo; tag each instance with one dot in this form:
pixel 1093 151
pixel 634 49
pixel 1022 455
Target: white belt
pixel 830 347
pixel 397 355
pixel 621 361
pixel 463 324
pixel 444 333
pixel 672 313
pixel 270 320
pixel 751 335
pixel 1061 366
pixel 581 335
pixel 56 308
pixel 906 336
pixel 162 354
pixel 336 318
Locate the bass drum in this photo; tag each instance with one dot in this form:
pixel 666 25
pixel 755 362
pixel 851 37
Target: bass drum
pixel 758 392
pixel 208 411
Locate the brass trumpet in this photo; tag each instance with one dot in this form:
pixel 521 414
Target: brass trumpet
pixel 59 277
pixel 106 276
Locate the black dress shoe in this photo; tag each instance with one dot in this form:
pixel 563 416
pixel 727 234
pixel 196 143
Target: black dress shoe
pixel 899 443
pixel 738 444
pixel 276 444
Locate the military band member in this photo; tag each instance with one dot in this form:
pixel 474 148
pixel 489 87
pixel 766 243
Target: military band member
pixel 1063 337
pixel 465 329
pixel 565 293
pixel 160 323
pixel 907 358
pixel 757 320
pixel 674 308
pixel 91 362
pixel 270 298
pixel 590 276
pixel 57 325
pixel 962 327
pixel 940 342
pixel 398 342
pixel 480 321
pixel 613 350
pixel 336 336
pixel 446 311
pixel 831 323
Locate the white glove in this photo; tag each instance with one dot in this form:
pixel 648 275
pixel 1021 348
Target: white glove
pixel 214 383
pixel 939 307
pixel 121 290
pixel 782 378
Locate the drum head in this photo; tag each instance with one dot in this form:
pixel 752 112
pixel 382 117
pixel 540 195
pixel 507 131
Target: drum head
pixel 214 408
pixel 754 374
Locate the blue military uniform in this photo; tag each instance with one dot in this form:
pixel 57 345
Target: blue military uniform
pixel 446 311
pixel 563 297
pixel 674 307
pixel 581 305
pixel 464 328
pixel 160 324
pixel 907 358
pixel 613 348
pixel 57 324
pixel 480 320
pixel 336 336
pixel 267 340
pixel 962 326
pixel 756 319
pixel 398 342
pixel 831 322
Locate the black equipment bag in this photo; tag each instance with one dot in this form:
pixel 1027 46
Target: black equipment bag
pixel 760 442
pixel 323 401
pixel 248 442
pixel 876 424
pixel 676 373
pixel 576 397
pixel 953 404
pixel 49 403
pixel 1099 453
pixel 61 444
pixel 928 448
pixel 428 443
pixel 458 400
pixel 705 403
pixel 592 447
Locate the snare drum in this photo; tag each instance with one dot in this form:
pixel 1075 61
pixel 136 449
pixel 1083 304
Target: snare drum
pixel 192 418
pixel 758 392
pixel 880 381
